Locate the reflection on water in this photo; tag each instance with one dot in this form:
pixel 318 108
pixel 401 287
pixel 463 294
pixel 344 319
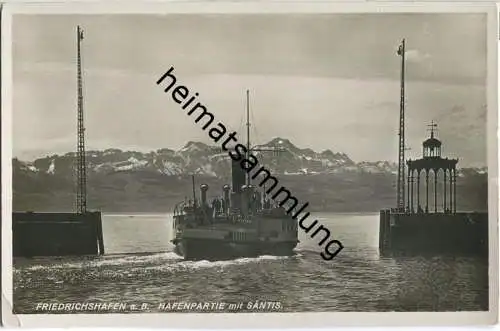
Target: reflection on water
pixel 140 267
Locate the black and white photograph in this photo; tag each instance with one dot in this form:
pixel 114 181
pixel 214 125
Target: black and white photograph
pixel 232 162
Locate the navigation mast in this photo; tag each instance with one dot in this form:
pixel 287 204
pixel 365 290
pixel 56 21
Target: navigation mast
pixel 401 158
pixel 248 134
pixel 81 195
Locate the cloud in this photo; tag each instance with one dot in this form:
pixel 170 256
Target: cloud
pixel 414 55
pixel 308 81
pixel 130 112
pixel 304 45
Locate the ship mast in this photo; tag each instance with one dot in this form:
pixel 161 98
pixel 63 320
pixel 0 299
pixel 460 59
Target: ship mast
pixel 401 156
pixel 248 134
pixel 274 149
pixel 81 196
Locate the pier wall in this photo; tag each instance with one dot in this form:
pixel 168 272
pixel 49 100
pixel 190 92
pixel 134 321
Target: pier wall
pixel 56 234
pixel 454 234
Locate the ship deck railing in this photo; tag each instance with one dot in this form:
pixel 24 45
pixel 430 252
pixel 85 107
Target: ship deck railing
pixel 179 208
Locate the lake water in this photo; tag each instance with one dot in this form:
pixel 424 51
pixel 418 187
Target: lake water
pixel 139 267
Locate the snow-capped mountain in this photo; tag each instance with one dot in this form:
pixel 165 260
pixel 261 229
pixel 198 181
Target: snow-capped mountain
pixel 130 181
pixel 279 155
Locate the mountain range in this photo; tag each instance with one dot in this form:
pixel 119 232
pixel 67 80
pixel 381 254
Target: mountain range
pixel 131 181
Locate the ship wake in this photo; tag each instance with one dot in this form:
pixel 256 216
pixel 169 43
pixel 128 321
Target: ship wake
pixel 144 263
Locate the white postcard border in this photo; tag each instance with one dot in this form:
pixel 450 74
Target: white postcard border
pixel 247 320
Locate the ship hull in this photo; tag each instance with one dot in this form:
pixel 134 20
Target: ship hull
pixel 209 249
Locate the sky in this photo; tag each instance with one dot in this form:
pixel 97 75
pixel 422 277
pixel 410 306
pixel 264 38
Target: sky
pixel 324 81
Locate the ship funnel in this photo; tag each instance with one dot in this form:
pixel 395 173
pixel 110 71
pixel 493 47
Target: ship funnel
pixel 249 194
pixel 237 181
pixel 244 200
pixel 204 189
pixel 226 188
pixel 238 176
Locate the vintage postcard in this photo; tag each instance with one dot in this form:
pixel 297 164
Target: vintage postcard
pixel 249 164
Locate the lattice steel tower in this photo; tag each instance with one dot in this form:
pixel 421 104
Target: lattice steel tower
pixel 401 159
pixel 81 186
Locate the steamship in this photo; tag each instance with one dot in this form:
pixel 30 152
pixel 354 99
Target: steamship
pixel 241 222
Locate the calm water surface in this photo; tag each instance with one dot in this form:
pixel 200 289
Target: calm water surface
pixel 140 267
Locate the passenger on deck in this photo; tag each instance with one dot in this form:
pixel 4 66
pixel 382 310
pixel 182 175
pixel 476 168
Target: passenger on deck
pixel 217 205
pixel 258 203
pixel 223 205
